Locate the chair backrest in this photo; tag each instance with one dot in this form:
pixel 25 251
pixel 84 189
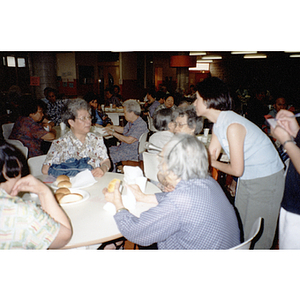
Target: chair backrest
pixel 150 124
pixel 142 141
pixel 114 118
pixel 254 236
pixel 7 129
pixel 150 165
pixel 35 164
pixel 18 144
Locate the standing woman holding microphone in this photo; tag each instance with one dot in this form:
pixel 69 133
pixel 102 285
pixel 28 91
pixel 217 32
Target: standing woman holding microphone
pixel 253 159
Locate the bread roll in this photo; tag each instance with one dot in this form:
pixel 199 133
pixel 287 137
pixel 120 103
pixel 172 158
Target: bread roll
pixel 70 198
pixel 64 191
pixel 111 186
pixel 66 184
pixel 62 178
pixel 58 196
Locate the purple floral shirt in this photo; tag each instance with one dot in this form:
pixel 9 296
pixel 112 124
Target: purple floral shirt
pixel 29 133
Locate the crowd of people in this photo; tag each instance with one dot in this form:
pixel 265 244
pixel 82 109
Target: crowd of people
pixel 192 210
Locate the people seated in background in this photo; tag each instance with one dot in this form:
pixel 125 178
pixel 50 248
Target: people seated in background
pixel 253 158
pixel 111 99
pixel 24 224
pixel 195 215
pixel 160 99
pixel 128 135
pixel 78 143
pixel 280 103
pixel 99 118
pixel 117 93
pixel 168 103
pixel 30 131
pixel 288 134
pixel 164 124
pixel 257 109
pixel 46 89
pixel 55 107
pixel 187 121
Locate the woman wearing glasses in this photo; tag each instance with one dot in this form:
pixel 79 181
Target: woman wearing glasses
pixel 79 142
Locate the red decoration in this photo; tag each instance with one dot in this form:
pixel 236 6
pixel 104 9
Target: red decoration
pixel 180 61
pixel 34 81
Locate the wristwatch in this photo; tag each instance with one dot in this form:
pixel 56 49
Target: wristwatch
pixel 123 208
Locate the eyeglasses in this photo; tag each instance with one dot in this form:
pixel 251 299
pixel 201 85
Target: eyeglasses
pixel 83 119
pixel 180 125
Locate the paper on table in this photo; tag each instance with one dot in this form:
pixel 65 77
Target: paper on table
pixel 83 179
pixel 126 202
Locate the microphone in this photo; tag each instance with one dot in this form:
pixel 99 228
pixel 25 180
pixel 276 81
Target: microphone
pixel 150 146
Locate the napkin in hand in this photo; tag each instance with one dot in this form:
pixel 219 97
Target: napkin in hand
pixel 83 179
pixel 133 175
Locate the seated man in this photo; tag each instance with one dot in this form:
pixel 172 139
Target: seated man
pixel 128 135
pixel 195 215
pixel 54 107
pixel 111 99
pixel 29 131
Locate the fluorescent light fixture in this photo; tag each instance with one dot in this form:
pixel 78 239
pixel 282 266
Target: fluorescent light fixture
pixel 291 51
pixel 204 61
pixel 197 53
pixel 295 55
pixel 255 56
pixel 243 52
pixel 212 57
pixel 200 67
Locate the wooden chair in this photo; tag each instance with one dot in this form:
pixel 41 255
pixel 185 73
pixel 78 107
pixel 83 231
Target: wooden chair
pixel 255 234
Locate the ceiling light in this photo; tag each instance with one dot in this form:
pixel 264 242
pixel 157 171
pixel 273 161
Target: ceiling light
pixel 255 56
pixel 243 52
pixel 295 55
pixel 212 57
pixel 204 60
pixel 197 53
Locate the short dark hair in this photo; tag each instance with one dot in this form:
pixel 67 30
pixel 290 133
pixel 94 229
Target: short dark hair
pixel 160 95
pixel 29 106
pixel 215 93
pixel 162 118
pixel 12 162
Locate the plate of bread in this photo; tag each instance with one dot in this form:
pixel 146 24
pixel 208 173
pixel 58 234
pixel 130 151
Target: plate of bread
pixel 67 196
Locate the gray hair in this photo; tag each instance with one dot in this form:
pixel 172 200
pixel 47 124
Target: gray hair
pixel 193 121
pixel 132 105
pixel 186 157
pixel 72 108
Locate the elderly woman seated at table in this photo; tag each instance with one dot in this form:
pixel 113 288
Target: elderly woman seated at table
pixel 78 144
pixel 24 224
pixel 30 131
pixel 163 123
pixel 196 215
pixel 128 135
pixel 168 103
pixel 187 121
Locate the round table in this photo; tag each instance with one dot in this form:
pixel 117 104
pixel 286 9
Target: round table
pixel 91 223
